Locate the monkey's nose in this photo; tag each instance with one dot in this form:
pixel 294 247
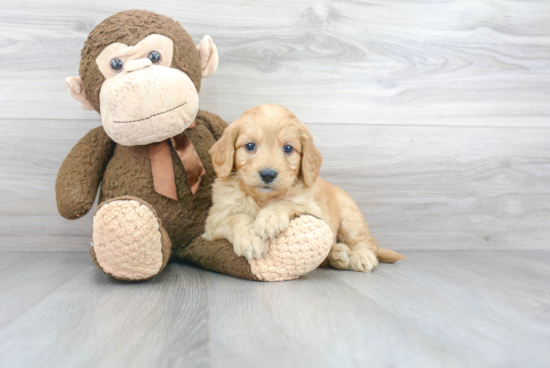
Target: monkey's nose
pixel 268 175
pixel 137 64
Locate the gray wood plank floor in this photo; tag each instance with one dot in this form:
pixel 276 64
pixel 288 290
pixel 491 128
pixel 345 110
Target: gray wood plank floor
pixel 436 309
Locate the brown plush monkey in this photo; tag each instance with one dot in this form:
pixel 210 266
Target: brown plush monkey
pixel 142 72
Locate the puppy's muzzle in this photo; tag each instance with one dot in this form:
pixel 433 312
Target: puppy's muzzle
pixel 268 175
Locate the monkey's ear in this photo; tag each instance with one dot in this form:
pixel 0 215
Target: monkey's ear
pixel 76 89
pixel 208 53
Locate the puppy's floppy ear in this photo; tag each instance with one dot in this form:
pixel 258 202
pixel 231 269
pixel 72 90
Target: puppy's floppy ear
pixel 223 152
pixel 311 158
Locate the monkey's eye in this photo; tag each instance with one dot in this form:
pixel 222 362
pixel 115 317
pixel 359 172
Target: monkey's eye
pixel 116 65
pixel 288 149
pixel 250 147
pixel 154 56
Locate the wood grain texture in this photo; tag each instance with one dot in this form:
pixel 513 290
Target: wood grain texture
pixel 96 321
pixel 419 187
pixel 482 63
pixel 28 278
pixel 433 115
pixel 502 302
pixel 30 156
pixel 451 309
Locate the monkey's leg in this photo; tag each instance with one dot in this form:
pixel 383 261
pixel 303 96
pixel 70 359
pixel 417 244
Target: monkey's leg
pixel 295 252
pixel 129 242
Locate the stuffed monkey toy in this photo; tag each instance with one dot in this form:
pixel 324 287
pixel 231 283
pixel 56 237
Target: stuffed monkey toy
pixel 142 72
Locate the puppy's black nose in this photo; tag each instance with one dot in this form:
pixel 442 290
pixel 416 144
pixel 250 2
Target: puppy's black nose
pixel 268 175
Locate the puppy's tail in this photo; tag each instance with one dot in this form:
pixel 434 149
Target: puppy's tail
pixel 388 256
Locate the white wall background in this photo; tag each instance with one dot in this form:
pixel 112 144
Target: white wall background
pixel 433 115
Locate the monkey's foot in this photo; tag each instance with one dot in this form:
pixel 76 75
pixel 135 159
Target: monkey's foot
pixel 296 251
pixel 129 242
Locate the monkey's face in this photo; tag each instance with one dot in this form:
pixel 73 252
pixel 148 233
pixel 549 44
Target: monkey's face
pixel 143 100
pixel 145 87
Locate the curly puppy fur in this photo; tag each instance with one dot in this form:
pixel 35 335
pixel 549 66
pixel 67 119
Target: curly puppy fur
pixel 250 208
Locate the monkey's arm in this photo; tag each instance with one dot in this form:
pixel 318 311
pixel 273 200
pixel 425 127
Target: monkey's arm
pixel 81 172
pixel 214 123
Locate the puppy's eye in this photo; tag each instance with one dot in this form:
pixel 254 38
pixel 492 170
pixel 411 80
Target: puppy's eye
pixel 250 147
pixel 116 65
pixel 154 56
pixel 288 149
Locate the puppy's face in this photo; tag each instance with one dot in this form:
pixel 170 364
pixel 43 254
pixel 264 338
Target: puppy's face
pixel 268 150
pixel 268 154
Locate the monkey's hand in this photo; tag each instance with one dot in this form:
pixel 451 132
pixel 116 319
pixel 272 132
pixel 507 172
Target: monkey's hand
pixel 81 172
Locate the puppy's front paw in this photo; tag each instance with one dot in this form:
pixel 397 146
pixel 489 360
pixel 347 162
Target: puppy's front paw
pixel 363 260
pixel 339 256
pixel 343 258
pixel 247 243
pixel 269 224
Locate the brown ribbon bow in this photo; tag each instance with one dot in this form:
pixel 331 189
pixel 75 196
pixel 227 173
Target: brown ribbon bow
pixel 163 169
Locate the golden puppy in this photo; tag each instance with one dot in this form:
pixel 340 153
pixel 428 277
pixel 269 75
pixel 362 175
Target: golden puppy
pixel 267 168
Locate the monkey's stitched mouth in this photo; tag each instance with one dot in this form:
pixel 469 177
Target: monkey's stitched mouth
pixel 160 113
